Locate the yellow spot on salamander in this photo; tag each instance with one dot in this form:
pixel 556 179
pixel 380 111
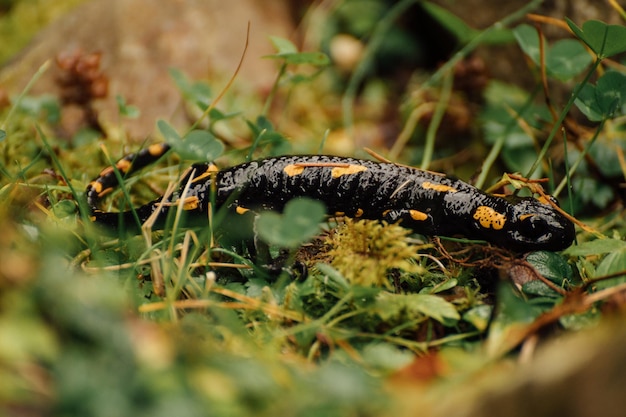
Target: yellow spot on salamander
pixel 208 172
pixel 157 149
pixel 420 216
pixel 347 170
pixel 544 200
pixel 293 170
pixel 241 210
pixel 337 169
pixel 489 218
pixel 525 216
pixel 191 203
pixel 359 213
pixel 438 187
pixel 123 166
pixel 96 186
pixel 104 192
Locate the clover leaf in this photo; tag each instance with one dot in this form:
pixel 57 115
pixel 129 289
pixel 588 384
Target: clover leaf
pixel 605 99
pixel 603 39
pixel 299 222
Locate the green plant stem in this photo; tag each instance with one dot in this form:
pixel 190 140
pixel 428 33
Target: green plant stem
pixel 582 155
pixel 447 68
pixel 43 68
pixel 570 197
pixel 361 70
pixel 497 146
pixel 440 110
pixel 320 321
pixel 254 145
pixel 272 94
pixel 562 116
pixel 120 180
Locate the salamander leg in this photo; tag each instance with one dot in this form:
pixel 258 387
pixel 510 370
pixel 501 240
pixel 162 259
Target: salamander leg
pixel 413 219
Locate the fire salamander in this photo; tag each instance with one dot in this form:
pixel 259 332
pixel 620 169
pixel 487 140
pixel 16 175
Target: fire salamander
pixel 426 202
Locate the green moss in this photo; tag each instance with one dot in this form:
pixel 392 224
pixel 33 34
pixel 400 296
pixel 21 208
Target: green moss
pixel 365 251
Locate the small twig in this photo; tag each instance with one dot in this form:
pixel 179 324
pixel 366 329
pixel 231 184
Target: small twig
pixel 227 87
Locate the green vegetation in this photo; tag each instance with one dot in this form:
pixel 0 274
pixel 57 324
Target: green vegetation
pixel 184 321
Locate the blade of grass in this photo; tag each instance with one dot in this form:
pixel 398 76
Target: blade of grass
pixel 581 156
pixel 440 110
pixel 42 69
pixel 120 180
pixel 447 68
pixel 490 159
pixel 228 84
pixel 562 116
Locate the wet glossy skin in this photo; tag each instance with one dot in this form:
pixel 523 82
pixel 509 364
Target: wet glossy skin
pixel 425 202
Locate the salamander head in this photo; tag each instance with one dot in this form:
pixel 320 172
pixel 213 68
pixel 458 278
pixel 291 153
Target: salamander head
pixel 538 226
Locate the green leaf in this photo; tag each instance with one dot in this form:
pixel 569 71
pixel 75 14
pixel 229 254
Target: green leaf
pixel 198 92
pixel 499 119
pixel 513 315
pixel 604 40
pixel 131 112
pixel 389 305
pixel 479 316
pixel 64 208
pixel 3 135
pixel 551 265
pixel 386 357
pixel 606 152
pixel 596 247
pixel 613 262
pixel 539 288
pixel 605 99
pixel 170 134
pixel 567 59
pixel 587 104
pixel 563 60
pixel 299 222
pixel 519 159
pixel 528 39
pixel 288 52
pixel 334 275
pixel 215 115
pixel 44 105
pixel 199 145
pixel 589 190
pixel 513 309
pixel 433 306
pixel 464 33
pixel 582 321
pixel 435 288
pixel 283 46
pixel 318 59
pixel 611 92
pixel 452 23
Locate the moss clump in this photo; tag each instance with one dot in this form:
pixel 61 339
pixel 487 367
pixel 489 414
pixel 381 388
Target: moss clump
pixel 365 251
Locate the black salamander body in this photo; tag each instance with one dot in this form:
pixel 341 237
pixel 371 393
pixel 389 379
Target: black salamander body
pixel 425 202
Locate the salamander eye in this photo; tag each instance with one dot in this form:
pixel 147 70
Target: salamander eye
pixel 532 225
